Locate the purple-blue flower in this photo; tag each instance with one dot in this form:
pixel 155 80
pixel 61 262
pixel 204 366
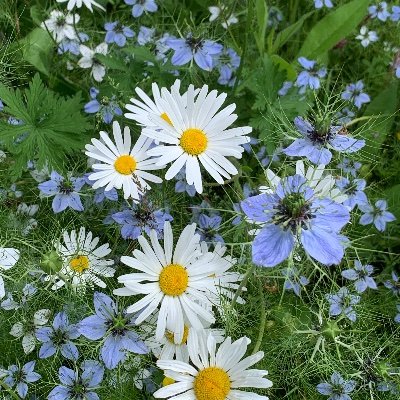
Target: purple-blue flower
pixel 286 86
pixel 20 377
pixel 380 11
pixel 322 3
pixel 313 145
pixel 354 189
pixel 294 281
pixel 342 303
pixel 182 186
pixel 208 228
pixel 140 218
pixel 294 215
pixel 377 215
pixel 228 67
pixel 58 337
pixel 101 194
pixel 65 192
pixel 397 317
pixel 338 389
pixel 145 35
pixel 72 45
pixel 115 328
pixel 395 16
pixel 393 285
pixel 349 166
pixel 117 33
pixel 354 93
pixel 107 108
pixel 140 6
pixel 76 385
pixel 203 52
pixel 344 116
pixel 361 275
pixel 310 76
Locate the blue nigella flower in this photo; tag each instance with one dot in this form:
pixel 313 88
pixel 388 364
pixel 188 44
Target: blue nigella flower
pixel 115 328
pixel 397 317
pixel 377 215
pixel 145 35
pixel 58 337
pixel 349 166
pixel 65 192
pixel 228 68
pixel 203 52
pixel 354 190
pixel 294 281
pixel 20 377
pixel 311 75
pixel 342 303
pixel 395 16
pixel 338 389
pixel 140 218
pixel 354 93
pixel 140 6
pixel 101 194
pixel 117 33
pixel 313 145
pixel 394 285
pixel 27 292
pixel 390 387
pixel 361 276
pixel 287 85
pixel 182 186
pixel 291 213
pixel 72 45
pixel 208 228
pixel 380 11
pixel 344 116
pixel 78 386
pixel 248 146
pixel 107 108
pixel 321 3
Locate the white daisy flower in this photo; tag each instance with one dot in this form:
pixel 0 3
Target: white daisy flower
pixel 78 4
pixel 123 166
pixel 197 131
pixel 366 36
pixel 89 60
pixel 8 258
pixel 177 280
pixel 318 179
pixel 27 331
pixel 215 374
pixel 61 26
pixel 82 260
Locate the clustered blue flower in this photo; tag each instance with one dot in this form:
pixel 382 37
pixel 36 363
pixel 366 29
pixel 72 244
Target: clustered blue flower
pixel 354 93
pixel 338 389
pixel 342 303
pixel 117 33
pixel 310 76
pixel 107 108
pixel 141 6
pixel 361 275
pixel 293 280
pixel 354 189
pixel 378 215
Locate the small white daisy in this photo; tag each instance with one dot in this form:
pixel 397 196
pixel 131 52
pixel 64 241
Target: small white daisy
pixel 27 330
pixel 82 260
pixel 123 166
pixel 197 131
pixel 78 4
pixel 366 36
pixel 8 258
pixel 61 26
pixel 177 280
pixel 215 374
pixel 89 60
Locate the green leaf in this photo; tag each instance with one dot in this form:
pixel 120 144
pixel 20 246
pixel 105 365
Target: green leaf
pixel 283 65
pixel 283 36
pixel 392 195
pixel 333 27
pixel 384 106
pixel 36 50
pixel 112 63
pixel 262 21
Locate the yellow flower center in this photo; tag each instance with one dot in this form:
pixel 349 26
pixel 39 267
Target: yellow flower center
pixel 170 336
pixel 173 280
pixel 79 264
pixel 212 383
pixel 125 164
pixel 193 141
pixel 167 381
pixel 165 117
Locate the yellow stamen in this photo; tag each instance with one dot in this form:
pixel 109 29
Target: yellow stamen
pixel 193 141
pixel 79 264
pixel 165 117
pixel 125 164
pixel 170 336
pixel 167 381
pixel 173 280
pixel 212 383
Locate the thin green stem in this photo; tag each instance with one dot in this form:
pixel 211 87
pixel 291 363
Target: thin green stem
pixel 242 284
pixel 263 318
pixel 8 389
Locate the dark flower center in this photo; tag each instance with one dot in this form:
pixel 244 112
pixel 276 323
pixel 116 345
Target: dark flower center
pixel 59 337
pixel 194 44
pixel 60 21
pixel 66 187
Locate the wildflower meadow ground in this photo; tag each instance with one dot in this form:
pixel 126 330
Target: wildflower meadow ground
pixel 199 199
